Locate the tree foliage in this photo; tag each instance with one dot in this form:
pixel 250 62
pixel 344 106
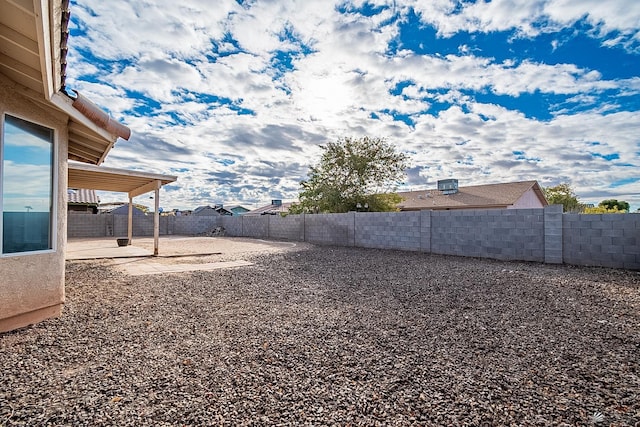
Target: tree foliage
pixel 602 210
pixel 353 171
pixel 563 194
pixel 613 204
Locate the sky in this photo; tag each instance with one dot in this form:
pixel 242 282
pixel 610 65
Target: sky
pixel 236 97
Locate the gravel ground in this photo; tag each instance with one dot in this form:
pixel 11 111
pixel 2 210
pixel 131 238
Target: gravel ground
pixel 333 336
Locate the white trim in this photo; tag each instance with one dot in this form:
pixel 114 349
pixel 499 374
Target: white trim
pixel 54 189
pixel 41 10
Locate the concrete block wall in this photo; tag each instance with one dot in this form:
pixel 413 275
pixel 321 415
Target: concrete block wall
pixel 142 225
pixel 541 235
pixel 232 225
pixel 88 225
pixel 388 230
pixel 553 234
pixel 331 229
pixel 608 240
pixel 192 224
pixel 505 234
pixel 107 225
pixel 255 226
pixel 290 227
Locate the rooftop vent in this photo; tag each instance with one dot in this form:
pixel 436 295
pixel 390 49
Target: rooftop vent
pixel 448 186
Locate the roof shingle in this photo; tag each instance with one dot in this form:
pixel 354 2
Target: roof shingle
pixel 476 196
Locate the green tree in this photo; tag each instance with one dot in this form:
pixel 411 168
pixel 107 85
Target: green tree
pixel 613 204
pixel 351 172
pixel 562 194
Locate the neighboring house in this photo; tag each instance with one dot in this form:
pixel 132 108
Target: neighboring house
pixel 277 207
pixel 238 210
pixel 509 195
pixel 222 210
pixel 82 200
pixel 205 211
pixel 124 210
pixel 42 126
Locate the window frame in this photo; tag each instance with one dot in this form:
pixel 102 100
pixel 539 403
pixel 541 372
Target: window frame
pixel 53 220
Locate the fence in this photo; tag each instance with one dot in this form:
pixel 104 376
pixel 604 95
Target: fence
pixel 540 235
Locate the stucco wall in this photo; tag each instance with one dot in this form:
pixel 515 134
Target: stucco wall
pixel 33 284
pixel 529 200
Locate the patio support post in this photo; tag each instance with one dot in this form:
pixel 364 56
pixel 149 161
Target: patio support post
pixel 156 219
pixel 130 220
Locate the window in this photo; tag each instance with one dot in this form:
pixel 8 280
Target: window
pixel 26 197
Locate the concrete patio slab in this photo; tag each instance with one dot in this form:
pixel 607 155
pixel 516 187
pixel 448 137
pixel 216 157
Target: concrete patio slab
pixel 79 249
pixel 178 254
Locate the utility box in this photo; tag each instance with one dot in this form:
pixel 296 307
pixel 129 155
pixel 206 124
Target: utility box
pixel 448 186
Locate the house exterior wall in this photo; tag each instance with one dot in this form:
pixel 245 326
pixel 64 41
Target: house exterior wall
pixel 32 284
pixel 529 200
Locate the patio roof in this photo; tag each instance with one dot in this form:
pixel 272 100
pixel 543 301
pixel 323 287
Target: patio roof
pixel 131 182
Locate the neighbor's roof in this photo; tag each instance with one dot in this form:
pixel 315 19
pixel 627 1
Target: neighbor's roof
pixel 33 52
pixel 82 196
pixel 271 209
pixel 476 196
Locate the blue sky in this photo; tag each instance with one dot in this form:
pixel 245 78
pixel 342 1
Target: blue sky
pixel 236 99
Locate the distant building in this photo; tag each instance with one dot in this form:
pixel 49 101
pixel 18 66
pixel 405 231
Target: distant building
pixel 121 209
pixel 277 207
pixel 82 200
pixel 205 211
pixel 239 210
pixel 448 196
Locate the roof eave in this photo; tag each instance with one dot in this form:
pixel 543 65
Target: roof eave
pixel 49 24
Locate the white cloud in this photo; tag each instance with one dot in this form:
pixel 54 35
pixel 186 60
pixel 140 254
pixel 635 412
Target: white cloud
pixel 167 51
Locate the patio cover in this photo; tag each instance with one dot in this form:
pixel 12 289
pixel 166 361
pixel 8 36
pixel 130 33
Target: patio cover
pixel 134 183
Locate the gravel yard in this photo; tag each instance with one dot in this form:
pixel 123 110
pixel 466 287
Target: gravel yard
pixel 332 336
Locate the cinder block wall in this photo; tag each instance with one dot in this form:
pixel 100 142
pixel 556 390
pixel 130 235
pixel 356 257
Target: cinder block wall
pixel 541 235
pixel 88 225
pixel 388 230
pixel 190 225
pixel 107 225
pixel 232 225
pixel 331 229
pixel 608 240
pixel 290 227
pixel 506 234
pixel 255 226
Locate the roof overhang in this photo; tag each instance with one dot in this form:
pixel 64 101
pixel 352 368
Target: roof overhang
pixel 131 182
pixel 33 50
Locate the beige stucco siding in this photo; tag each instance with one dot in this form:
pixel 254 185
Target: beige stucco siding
pixel 32 285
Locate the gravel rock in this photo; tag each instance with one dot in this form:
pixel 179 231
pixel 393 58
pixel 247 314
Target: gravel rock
pixel 333 336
